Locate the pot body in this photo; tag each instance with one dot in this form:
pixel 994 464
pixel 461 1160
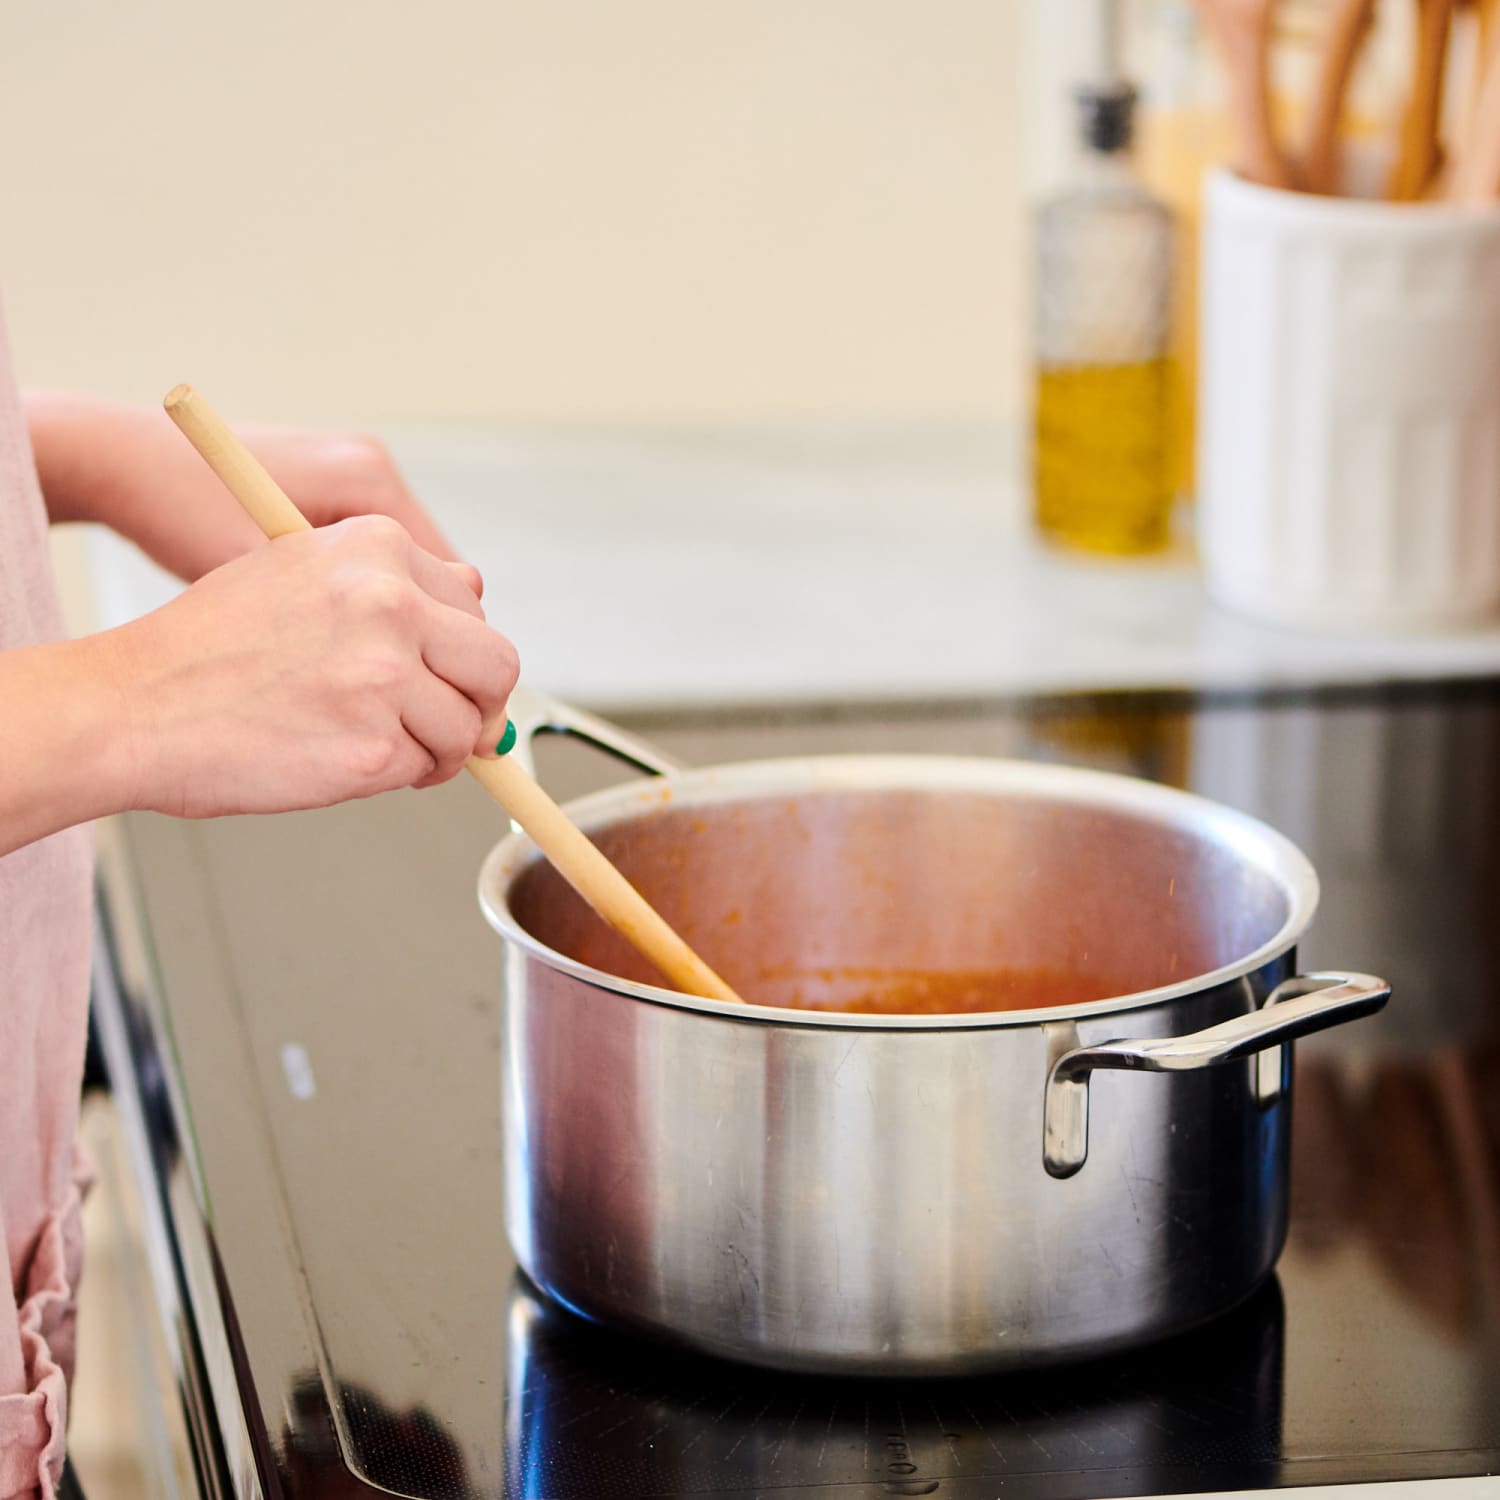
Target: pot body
pixel 871 1194
pixel 877 1201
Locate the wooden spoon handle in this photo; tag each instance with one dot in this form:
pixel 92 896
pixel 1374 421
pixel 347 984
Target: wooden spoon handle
pixel 1417 154
pixel 570 851
pixel 1241 32
pixel 1476 170
pixel 1320 152
pixel 581 864
pixel 264 501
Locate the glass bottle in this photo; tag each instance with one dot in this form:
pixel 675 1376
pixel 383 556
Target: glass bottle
pixel 1102 441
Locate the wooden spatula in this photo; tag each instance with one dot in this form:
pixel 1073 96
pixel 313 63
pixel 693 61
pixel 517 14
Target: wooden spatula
pixel 1418 154
pixel 1241 33
pixel 1475 177
pixel 570 851
pixel 1349 24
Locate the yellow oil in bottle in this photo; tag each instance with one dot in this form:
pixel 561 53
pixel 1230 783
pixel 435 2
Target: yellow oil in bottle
pixel 1102 455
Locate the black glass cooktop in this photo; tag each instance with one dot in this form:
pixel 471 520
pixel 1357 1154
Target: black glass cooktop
pixel 321 997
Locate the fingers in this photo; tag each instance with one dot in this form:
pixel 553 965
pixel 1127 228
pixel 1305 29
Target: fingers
pixel 477 662
pixel 445 723
pixel 384 761
pixel 470 577
pixel 333 476
pixel 452 692
pixel 454 584
pixel 398 501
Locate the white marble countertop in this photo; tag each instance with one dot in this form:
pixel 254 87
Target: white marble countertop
pixel 665 569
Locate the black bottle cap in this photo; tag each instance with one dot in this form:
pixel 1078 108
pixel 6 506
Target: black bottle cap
pixel 1107 116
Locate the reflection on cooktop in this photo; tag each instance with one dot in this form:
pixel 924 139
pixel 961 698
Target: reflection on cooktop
pixel 392 1448
pixel 587 1412
pixel 592 1413
pixel 1396 1164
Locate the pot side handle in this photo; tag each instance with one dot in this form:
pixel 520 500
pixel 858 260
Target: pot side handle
pixel 535 713
pixel 1304 1004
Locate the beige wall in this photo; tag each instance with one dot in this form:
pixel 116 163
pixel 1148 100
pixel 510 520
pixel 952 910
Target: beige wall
pixel 560 209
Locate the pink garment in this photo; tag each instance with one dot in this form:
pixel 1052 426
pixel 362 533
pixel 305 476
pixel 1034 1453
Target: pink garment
pixel 44 975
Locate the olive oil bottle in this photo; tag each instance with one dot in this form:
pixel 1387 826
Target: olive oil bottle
pixel 1102 456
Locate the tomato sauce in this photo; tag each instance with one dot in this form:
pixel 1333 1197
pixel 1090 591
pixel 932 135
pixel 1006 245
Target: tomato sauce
pixel 922 992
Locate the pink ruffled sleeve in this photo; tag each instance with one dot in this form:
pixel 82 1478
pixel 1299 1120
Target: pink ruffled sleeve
pixel 36 1338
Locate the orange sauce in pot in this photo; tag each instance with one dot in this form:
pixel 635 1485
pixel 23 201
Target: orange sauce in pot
pixel 920 992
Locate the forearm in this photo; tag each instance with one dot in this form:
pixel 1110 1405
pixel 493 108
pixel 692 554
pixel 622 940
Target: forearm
pixel 128 468
pixel 123 467
pixel 65 753
pixel 82 446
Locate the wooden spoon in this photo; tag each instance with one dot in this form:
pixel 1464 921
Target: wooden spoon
pixel 1475 178
pixel 1241 31
pixel 1418 155
pixel 1485 14
pixel 1319 165
pixel 572 854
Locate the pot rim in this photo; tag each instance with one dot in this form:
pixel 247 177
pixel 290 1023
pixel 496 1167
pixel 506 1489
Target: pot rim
pixel 1254 841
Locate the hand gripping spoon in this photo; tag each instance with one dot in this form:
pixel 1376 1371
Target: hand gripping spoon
pixel 570 851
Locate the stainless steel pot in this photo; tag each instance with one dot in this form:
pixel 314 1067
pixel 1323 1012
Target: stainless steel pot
pixel 906 1193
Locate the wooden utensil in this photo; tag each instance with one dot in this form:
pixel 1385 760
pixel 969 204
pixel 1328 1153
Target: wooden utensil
pixel 1475 179
pixel 575 858
pixel 1318 169
pixel 1471 1154
pixel 1241 33
pixel 1485 14
pixel 1418 154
